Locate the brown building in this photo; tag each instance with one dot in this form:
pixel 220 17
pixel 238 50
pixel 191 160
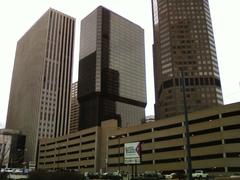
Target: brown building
pixel 74 151
pixel 41 82
pixel 183 40
pixel 214 139
pixel 74 116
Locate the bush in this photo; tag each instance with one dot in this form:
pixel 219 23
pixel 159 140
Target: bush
pixel 3 176
pixel 44 175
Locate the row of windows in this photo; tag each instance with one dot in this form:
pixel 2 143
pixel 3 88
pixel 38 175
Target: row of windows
pixel 73 138
pixel 176 148
pixel 191 82
pixel 63 161
pixel 166 159
pixel 63 146
pixel 181 159
pixel 177 160
pixel 191 122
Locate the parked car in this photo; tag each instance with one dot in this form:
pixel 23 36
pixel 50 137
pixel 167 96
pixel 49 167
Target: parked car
pixel 153 175
pixel 171 176
pixel 235 175
pixel 200 174
pixel 8 170
pixel 18 171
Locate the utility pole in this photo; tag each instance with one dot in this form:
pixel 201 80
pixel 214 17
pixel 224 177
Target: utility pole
pixel 186 125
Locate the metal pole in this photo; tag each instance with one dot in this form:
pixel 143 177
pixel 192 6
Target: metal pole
pixel 119 154
pixel 58 150
pixel 189 161
pixel 136 173
pixel 132 171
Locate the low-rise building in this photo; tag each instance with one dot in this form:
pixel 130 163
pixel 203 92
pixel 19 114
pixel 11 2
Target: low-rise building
pixel 12 148
pixel 74 151
pixel 214 141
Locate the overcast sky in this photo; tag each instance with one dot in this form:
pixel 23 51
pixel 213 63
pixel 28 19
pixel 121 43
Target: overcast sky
pixel 17 16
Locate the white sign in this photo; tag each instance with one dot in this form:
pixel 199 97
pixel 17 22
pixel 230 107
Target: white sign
pixel 132 153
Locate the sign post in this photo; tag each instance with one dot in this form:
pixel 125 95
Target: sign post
pixel 132 155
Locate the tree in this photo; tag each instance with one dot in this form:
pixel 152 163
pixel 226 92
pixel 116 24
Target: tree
pixel 5 144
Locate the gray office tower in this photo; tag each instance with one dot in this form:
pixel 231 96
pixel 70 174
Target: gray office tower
pixel 41 81
pixel 183 40
pixel 111 70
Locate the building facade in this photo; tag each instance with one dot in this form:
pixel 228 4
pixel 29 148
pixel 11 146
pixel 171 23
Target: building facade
pixel 74 151
pixel 184 41
pixel 12 148
pixel 111 70
pixel 74 116
pixel 41 82
pixel 214 140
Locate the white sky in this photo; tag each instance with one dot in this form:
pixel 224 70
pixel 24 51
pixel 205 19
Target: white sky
pixel 17 16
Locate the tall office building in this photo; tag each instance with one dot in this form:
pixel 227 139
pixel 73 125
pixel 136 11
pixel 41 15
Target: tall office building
pixel 183 40
pixel 74 116
pixel 111 70
pixel 41 82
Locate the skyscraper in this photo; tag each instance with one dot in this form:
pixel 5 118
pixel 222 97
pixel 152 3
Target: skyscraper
pixel 183 40
pixel 111 70
pixel 41 81
pixel 74 116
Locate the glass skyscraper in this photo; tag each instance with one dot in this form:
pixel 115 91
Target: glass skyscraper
pixel 183 40
pixel 111 70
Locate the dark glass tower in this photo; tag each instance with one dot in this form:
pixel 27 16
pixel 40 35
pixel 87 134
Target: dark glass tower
pixel 111 70
pixel 183 40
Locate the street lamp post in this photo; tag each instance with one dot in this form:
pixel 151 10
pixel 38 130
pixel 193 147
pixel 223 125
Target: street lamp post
pixel 119 166
pixel 57 154
pixel 119 155
pixel 186 125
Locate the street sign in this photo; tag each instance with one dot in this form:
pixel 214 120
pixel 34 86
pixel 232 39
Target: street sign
pixel 132 153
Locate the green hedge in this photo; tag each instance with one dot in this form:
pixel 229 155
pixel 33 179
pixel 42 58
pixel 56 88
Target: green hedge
pixel 3 176
pixel 44 175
